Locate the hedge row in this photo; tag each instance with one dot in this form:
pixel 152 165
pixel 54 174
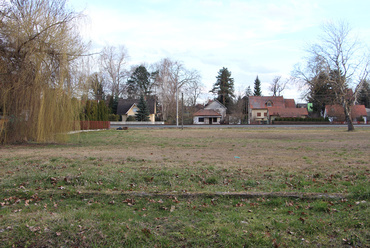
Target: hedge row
pixel 321 119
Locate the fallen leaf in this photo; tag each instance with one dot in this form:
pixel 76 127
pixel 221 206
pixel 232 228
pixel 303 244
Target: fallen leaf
pixel 33 228
pixel 146 231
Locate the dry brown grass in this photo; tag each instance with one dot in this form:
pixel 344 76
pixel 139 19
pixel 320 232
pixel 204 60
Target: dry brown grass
pixel 293 149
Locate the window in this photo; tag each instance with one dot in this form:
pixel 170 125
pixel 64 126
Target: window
pixel 269 104
pixel 265 114
pixel 201 119
pixel 135 110
pixel 214 119
pixel 259 114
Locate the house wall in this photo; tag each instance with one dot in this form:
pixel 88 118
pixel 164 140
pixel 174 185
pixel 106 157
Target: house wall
pixel 132 112
pixel 206 120
pixel 254 115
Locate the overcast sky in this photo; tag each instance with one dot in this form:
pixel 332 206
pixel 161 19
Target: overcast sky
pixel 249 37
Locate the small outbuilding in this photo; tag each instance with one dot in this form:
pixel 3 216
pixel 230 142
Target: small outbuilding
pixel 213 113
pixel 207 116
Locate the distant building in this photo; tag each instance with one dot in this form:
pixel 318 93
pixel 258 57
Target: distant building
pixel 265 109
pixel 128 107
pixel 335 113
pixel 213 113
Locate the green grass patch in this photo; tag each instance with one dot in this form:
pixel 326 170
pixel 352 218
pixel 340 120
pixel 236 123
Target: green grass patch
pixel 161 188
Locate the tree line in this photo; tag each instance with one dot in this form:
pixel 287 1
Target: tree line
pixel 48 74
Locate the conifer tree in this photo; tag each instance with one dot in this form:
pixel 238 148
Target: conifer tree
pixel 224 87
pixel 102 111
pixel 143 113
pixel 257 87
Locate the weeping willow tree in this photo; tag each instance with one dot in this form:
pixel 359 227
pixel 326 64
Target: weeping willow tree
pixel 39 46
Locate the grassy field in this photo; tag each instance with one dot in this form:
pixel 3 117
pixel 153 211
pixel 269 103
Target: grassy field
pixel 273 187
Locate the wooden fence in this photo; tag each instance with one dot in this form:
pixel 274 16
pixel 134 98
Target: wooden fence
pixel 88 125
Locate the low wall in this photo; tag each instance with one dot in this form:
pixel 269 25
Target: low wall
pixel 301 122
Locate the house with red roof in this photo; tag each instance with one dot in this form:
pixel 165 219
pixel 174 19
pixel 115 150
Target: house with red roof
pixel 264 109
pixel 335 113
pixel 213 113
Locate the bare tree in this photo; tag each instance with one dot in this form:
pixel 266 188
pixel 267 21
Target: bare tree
pixel 344 62
pixel 277 86
pixel 113 61
pixel 193 91
pixel 172 77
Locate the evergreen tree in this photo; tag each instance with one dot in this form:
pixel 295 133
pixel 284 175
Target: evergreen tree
pixel 224 87
pixel 140 82
pixel 88 109
pixel 248 92
pixel 321 93
pixel 143 113
pixel 257 87
pixel 364 97
pixel 102 111
pixel 113 104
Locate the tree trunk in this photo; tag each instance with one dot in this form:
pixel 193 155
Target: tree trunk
pixel 347 113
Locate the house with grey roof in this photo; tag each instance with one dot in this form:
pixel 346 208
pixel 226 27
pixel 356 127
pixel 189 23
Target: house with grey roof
pixel 129 107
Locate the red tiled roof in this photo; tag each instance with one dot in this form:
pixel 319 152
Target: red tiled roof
pixel 259 102
pixel 287 112
pixel 289 103
pixel 358 110
pixel 338 111
pixel 207 112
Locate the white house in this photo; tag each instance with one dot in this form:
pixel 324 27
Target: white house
pixel 213 113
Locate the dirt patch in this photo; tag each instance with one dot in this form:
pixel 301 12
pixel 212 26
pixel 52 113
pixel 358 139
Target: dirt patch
pixel 255 149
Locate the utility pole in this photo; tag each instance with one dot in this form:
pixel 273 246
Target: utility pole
pixel 182 111
pixel 177 104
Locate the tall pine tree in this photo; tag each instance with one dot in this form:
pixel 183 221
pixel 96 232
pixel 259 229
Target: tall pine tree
pixel 224 87
pixel 257 87
pixel 141 82
pixel 143 113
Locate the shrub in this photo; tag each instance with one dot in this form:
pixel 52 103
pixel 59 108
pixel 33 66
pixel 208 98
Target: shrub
pixel 113 117
pixel 131 118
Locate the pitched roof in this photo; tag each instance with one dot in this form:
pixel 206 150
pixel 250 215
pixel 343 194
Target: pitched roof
pixel 207 112
pixel 215 103
pixel 124 105
pixel 358 110
pixel 260 102
pixel 338 111
pixel 287 112
pixel 289 103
